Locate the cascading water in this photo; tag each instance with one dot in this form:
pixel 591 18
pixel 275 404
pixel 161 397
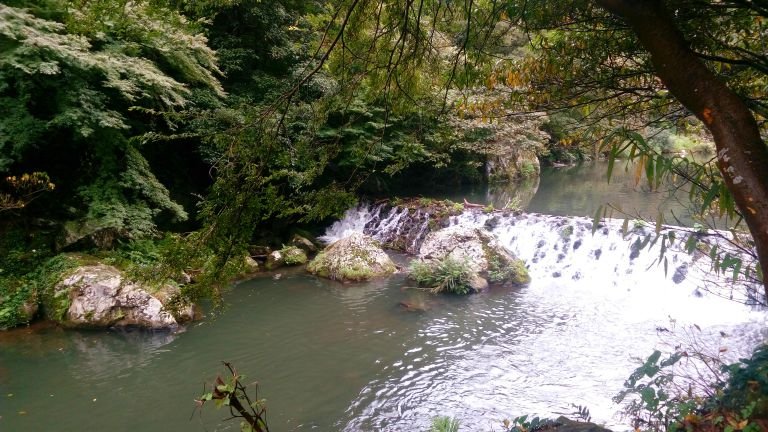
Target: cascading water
pixel 598 302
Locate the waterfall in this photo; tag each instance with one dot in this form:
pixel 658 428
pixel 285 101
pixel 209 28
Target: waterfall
pixel 396 227
pixel 563 251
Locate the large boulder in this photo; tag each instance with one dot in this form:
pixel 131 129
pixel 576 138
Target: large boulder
pixel 357 257
pixel 480 249
pixel 98 296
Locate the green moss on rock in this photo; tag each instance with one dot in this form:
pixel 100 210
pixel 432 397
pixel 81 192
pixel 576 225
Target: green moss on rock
pixel 293 256
pixel 354 258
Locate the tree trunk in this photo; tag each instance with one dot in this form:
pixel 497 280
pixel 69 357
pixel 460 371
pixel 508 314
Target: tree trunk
pixel 742 156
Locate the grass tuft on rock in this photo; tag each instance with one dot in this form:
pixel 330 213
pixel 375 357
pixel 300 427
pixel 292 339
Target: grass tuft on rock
pixel 448 275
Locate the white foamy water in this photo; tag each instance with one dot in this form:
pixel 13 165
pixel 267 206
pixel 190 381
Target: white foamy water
pixel 596 304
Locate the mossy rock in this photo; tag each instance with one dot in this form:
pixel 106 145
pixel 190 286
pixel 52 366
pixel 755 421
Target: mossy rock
pixel 355 258
pixel 293 256
pixel 18 305
pixel 480 249
pixel 95 295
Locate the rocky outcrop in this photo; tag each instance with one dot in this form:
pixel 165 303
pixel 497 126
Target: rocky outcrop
pixel 80 236
pixel 509 163
pixel 480 249
pixel 97 295
pixel 357 257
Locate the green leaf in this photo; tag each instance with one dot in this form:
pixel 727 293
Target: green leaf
pixel 596 219
pixel 611 161
pixel 648 395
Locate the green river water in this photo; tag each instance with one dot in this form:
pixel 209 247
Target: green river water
pixel 333 357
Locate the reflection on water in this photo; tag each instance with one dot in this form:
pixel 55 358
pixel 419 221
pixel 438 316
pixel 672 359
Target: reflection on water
pixel 349 357
pixel 579 190
pixel 381 356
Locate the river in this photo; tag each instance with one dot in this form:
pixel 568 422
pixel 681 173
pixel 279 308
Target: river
pixel 334 357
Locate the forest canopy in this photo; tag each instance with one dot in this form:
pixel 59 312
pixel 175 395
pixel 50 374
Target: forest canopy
pixel 249 116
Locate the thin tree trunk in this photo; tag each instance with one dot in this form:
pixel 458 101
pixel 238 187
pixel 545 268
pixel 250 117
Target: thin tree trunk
pixel 742 156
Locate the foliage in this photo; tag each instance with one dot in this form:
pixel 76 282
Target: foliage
pixel 717 395
pixel 448 275
pixel 499 271
pixel 21 190
pixel 232 394
pixel 444 424
pixel 78 80
pixel 524 424
pixel 20 292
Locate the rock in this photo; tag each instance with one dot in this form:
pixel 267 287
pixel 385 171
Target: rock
pixel 292 256
pixel 304 244
pixel 80 236
pixel 275 260
pixel 357 257
pixel 97 295
pixel 480 249
pixel 258 251
pixel 478 283
pixel 512 163
pixel 251 265
pixel 567 425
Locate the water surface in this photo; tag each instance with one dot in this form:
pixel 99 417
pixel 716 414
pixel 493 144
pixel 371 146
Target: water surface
pixel 334 357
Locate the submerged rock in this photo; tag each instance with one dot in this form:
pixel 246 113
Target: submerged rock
pixel 97 295
pixel 482 251
pixel 357 257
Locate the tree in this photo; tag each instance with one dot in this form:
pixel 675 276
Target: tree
pixel 623 63
pixel 742 155
pixel 79 81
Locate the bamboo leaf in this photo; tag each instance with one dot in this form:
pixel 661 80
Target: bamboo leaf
pixel 659 222
pixel 736 269
pixel 596 219
pixel 611 161
pixel 649 172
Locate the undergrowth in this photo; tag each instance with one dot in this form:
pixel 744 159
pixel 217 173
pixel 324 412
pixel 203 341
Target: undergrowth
pixel 447 275
pixel 716 396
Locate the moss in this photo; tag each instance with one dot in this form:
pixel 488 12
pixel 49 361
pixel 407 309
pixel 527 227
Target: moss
pixel 15 302
pixel 519 274
pixel 294 256
pixel 566 233
pixel 356 264
pixel 528 169
pixel 56 303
